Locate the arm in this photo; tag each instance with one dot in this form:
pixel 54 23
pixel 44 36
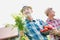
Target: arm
pixel 42 23
pixel 43 31
pixel 55 32
pixel 23 34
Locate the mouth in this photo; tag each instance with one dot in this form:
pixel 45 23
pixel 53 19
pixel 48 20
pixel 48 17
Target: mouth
pixel 27 12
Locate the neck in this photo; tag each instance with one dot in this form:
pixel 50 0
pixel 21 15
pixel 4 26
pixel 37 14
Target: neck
pixel 30 18
pixel 51 18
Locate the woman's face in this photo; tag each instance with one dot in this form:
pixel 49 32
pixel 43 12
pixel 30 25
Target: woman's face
pixel 51 13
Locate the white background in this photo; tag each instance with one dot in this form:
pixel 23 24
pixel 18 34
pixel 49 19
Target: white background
pixel 9 7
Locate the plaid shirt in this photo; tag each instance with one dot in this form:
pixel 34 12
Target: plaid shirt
pixel 33 29
pixel 55 23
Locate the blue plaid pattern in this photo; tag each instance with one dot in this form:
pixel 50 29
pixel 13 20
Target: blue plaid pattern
pixel 33 29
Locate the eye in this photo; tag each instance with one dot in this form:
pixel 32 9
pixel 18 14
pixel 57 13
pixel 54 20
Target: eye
pixel 23 10
pixel 27 8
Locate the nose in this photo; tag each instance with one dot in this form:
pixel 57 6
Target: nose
pixel 26 10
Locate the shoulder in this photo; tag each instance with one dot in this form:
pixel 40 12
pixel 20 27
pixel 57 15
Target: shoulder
pixel 48 21
pixel 57 19
pixel 39 20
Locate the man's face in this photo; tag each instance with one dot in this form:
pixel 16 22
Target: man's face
pixel 51 13
pixel 27 12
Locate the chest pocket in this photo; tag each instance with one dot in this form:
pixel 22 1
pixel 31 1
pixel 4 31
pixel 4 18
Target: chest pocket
pixel 29 26
pixel 37 27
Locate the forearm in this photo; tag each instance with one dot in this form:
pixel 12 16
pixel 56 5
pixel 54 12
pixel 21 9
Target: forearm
pixel 55 32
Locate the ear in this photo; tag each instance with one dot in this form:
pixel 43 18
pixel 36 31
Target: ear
pixel 24 15
pixel 32 11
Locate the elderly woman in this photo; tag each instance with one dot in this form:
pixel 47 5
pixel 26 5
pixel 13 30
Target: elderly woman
pixel 50 13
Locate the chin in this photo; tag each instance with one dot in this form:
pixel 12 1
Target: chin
pixel 54 15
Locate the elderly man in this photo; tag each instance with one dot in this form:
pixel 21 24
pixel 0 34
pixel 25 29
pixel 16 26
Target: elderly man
pixel 33 27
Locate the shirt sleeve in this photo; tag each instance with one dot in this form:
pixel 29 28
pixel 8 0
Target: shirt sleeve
pixel 42 23
pixel 58 20
pixel 25 30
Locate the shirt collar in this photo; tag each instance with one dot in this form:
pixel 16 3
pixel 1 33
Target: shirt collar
pixel 29 20
pixel 50 20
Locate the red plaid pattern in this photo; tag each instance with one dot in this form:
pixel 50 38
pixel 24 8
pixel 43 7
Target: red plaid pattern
pixel 55 23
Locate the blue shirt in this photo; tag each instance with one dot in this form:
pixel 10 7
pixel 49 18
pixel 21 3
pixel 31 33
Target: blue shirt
pixel 32 29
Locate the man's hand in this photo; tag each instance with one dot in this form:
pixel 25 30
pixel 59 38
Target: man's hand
pixel 21 33
pixel 22 36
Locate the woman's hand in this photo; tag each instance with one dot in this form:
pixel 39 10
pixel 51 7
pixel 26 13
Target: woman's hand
pixel 55 32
